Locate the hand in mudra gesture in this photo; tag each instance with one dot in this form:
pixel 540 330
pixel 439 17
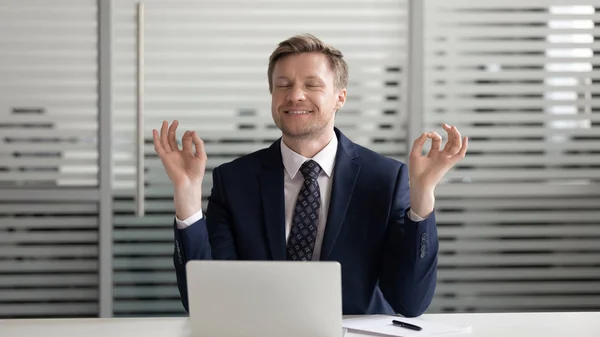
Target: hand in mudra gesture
pixel 425 172
pixel 184 167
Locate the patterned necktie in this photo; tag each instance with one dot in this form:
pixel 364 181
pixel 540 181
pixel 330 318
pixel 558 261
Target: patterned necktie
pixel 303 234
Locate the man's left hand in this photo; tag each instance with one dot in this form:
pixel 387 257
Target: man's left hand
pixel 425 172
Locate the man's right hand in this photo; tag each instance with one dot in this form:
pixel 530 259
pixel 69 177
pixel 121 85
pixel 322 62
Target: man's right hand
pixel 184 167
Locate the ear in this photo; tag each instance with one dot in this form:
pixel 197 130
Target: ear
pixel 341 99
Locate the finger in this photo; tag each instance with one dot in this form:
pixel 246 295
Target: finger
pixel 172 135
pixel 436 142
pixel 451 139
pixel 199 143
pixel 463 150
pixel 157 145
pixel 163 137
pixel 454 143
pixel 417 148
pixel 457 145
pixel 187 143
pixel 448 130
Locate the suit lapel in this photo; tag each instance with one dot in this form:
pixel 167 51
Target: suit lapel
pixel 344 179
pixel 272 194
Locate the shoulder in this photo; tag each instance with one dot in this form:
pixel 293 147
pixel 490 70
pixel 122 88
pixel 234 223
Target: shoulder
pixel 249 163
pixel 373 161
pixel 366 157
pixel 245 162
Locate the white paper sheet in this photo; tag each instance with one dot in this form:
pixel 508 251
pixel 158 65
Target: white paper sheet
pixel 381 325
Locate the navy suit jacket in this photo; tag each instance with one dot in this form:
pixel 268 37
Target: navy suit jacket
pixel 388 261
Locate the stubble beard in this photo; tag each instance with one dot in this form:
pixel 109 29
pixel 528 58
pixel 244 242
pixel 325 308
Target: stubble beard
pixel 310 131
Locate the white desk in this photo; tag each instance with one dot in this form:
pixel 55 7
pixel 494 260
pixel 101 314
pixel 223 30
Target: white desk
pixel 483 325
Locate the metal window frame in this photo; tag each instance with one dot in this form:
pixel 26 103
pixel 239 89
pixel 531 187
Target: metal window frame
pixel 105 272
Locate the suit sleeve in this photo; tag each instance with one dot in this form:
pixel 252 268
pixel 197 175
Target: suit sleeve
pixel 206 239
pixel 408 269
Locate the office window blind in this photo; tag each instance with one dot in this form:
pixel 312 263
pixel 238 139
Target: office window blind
pixel 205 65
pixel 518 219
pixel 48 158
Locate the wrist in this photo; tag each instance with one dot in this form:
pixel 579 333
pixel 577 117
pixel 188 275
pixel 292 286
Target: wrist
pixel 422 202
pixel 187 200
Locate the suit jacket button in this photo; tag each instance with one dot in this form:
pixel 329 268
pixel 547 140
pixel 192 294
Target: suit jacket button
pixel 178 252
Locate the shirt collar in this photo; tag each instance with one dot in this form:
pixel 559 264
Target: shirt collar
pixel 325 158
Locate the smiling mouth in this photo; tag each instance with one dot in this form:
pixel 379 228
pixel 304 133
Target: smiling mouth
pixel 297 112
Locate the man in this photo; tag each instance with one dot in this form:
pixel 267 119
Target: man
pixel 314 194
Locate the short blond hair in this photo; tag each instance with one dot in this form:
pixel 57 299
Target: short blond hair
pixel 307 43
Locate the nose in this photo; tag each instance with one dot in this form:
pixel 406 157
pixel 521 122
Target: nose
pixel 296 94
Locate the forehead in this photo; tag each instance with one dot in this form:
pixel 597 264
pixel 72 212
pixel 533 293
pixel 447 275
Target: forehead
pixel 303 65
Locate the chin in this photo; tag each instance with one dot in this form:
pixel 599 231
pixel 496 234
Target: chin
pixel 297 132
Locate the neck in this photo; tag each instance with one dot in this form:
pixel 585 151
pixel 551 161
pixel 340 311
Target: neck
pixel 310 146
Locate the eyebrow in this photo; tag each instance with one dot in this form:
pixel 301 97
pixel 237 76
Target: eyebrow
pixel 313 77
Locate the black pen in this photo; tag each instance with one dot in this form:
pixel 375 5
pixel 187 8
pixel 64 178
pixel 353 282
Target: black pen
pixel 406 325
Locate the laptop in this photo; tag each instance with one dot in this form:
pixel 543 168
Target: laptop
pixel 264 298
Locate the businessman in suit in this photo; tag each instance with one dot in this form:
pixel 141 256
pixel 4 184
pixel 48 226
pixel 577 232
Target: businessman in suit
pixel 314 195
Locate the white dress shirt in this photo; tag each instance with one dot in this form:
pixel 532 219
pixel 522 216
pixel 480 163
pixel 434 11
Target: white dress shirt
pixel 292 182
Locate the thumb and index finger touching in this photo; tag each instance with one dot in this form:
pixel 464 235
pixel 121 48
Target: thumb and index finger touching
pixel 165 141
